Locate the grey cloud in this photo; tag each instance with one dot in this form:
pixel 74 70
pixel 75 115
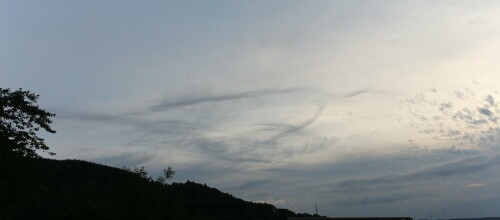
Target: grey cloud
pixel 470 117
pixel 437 125
pixel 190 136
pixel 275 126
pixel 376 199
pixel 355 93
pixel 465 94
pixel 465 115
pixel 453 133
pixel 248 185
pixel 404 180
pixel 251 94
pixel 455 151
pixel 125 119
pixel 221 98
pixel 256 151
pixel 316 145
pixel 464 166
pixel 126 159
pixel 363 91
pixel 459 94
pixel 146 132
pixel 290 129
pixel 444 106
pixel 420 99
pixel 171 127
pixel 117 119
pixel 490 100
pixel 231 149
pixel 485 112
pixel 468 165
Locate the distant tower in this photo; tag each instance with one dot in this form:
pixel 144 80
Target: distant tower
pixel 316 208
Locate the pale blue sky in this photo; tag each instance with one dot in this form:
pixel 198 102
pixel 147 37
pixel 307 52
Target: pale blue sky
pixel 388 107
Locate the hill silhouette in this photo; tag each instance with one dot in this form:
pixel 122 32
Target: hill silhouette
pixel 73 189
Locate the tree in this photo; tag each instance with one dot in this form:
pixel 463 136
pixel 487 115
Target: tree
pixel 20 120
pixel 167 174
pixel 142 173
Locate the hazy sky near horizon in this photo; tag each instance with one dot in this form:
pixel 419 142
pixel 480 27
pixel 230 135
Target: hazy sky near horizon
pixel 363 107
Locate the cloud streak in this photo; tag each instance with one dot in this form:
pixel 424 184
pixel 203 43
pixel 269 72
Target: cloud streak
pixel 364 91
pixel 221 98
pixel 371 200
pixel 293 129
pixel 465 166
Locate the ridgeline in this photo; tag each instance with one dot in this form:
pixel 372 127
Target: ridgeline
pixel 73 189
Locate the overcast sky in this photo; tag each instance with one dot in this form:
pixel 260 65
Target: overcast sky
pixel 380 108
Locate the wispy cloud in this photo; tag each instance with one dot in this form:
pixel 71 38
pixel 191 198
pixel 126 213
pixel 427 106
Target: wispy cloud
pixel 220 98
pixel 465 166
pixel 292 129
pixel 476 185
pixel 369 200
pixel 365 91
pixel 128 159
pixel 186 131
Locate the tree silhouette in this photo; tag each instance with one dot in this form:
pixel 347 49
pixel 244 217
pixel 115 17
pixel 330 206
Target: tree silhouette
pixel 167 174
pixel 20 120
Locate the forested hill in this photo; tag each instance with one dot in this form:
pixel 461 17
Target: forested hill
pixel 72 189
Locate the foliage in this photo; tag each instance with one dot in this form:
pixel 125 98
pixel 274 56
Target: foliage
pixel 141 172
pixel 168 173
pixel 20 119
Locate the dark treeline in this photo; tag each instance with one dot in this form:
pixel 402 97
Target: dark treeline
pixel 73 189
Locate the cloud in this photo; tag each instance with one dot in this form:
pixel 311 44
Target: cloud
pixel 98 117
pixel 121 159
pixel 464 166
pixel 221 98
pixel 192 130
pixel 461 119
pixel 275 202
pixel 485 112
pixel 355 93
pixel 237 149
pixel 455 151
pixel 291 129
pixel 369 200
pixel 490 100
pixel 444 106
pixel 475 185
pixel 363 91
pixel 255 94
pixel 251 185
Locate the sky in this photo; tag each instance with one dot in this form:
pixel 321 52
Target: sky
pixel 365 108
